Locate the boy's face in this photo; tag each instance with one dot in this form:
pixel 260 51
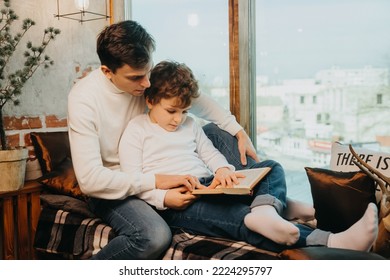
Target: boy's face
pixel 130 80
pixel 167 114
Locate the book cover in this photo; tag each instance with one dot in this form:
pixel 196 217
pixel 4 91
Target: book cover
pixel 252 177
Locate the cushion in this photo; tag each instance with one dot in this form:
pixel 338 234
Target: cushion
pixel 67 203
pixel 63 180
pixel 51 148
pixel 325 253
pixel 339 198
pixel 53 152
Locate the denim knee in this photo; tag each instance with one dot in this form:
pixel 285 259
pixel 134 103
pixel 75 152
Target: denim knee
pixel 157 242
pixel 267 199
pixel 147 245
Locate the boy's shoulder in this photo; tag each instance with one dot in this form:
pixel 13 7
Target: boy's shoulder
pixel 138 121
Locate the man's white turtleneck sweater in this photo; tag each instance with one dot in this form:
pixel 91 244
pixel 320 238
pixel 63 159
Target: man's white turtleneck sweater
pixel 98 113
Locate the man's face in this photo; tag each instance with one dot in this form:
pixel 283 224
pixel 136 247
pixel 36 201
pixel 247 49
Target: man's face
pixel 130 80
pixel 167 114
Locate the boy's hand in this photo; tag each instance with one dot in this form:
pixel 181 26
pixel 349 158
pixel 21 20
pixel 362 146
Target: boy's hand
pixel 225 177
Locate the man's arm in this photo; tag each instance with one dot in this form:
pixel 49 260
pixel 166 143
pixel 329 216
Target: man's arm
pixel 94 178
pixel 207 108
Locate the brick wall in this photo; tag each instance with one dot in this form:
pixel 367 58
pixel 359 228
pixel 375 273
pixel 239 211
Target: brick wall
pixel 18 128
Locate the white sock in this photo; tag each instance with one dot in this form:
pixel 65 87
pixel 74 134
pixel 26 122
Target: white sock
pixel 298 210
pixel 265 220
pixel 361 235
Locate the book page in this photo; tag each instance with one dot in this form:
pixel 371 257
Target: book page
pixel 252 177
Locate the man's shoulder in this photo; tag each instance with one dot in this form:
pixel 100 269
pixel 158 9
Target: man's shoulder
pixel 86 84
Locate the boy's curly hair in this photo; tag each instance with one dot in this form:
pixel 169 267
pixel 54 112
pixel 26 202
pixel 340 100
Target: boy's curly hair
pixel 172 79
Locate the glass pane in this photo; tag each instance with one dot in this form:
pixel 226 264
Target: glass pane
pixel 322 76
pixel 195 32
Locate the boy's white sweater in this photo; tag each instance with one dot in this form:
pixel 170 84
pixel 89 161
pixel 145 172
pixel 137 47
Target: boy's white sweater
pixel 146 149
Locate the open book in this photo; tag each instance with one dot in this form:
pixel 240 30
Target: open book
pixel 252 177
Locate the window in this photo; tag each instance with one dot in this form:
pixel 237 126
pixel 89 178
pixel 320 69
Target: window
pixel 192 32
pixel 331 51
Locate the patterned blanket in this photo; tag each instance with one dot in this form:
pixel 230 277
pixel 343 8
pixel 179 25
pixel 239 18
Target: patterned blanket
pixel 186 246
pixel 75 236
pixel 71 235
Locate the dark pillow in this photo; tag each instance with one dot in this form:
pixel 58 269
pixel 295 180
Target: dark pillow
pixel 51 148
pixel 339 198
pixel 67 203
pixel 63 180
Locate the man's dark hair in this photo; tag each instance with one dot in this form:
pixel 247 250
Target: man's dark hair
pixel 170 79
pixel 126 42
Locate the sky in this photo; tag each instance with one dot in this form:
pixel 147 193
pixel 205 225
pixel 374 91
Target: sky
pixel 294 38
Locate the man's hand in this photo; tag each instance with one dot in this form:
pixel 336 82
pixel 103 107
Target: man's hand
pixel 179 198
pixel 165 182
pixel 245 147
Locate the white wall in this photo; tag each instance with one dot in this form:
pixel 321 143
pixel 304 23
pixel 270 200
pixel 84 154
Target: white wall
pixel 73 52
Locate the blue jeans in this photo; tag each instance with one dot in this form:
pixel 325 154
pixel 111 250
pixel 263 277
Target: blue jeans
pixel 223 215
pixel 140 232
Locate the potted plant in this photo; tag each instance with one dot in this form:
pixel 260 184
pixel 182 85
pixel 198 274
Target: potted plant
pixel 12 79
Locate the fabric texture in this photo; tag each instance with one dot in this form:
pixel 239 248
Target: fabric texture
pixel 53 153
pixel 67 203
pixel 76 236
pixel 63 180
pixel 51 148
pixel 147 149
pixel 72 235
pixel 186 246
pixel 339 198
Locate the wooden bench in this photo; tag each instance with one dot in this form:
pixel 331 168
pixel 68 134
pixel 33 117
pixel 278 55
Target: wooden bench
pixel 19 214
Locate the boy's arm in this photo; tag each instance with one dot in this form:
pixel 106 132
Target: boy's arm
pixel 131 160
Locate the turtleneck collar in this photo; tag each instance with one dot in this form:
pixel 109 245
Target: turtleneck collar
pixel 108 83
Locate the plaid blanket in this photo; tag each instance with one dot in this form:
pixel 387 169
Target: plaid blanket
pixel 187 246
pixel 75 236
pixel 71 235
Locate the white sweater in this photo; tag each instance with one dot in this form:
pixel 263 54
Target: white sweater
pixel 98 113
pixel 147 149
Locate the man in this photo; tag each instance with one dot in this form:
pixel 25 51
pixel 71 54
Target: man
pixel 99 108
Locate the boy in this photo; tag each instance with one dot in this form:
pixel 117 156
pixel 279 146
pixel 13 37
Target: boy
pixel 167 141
